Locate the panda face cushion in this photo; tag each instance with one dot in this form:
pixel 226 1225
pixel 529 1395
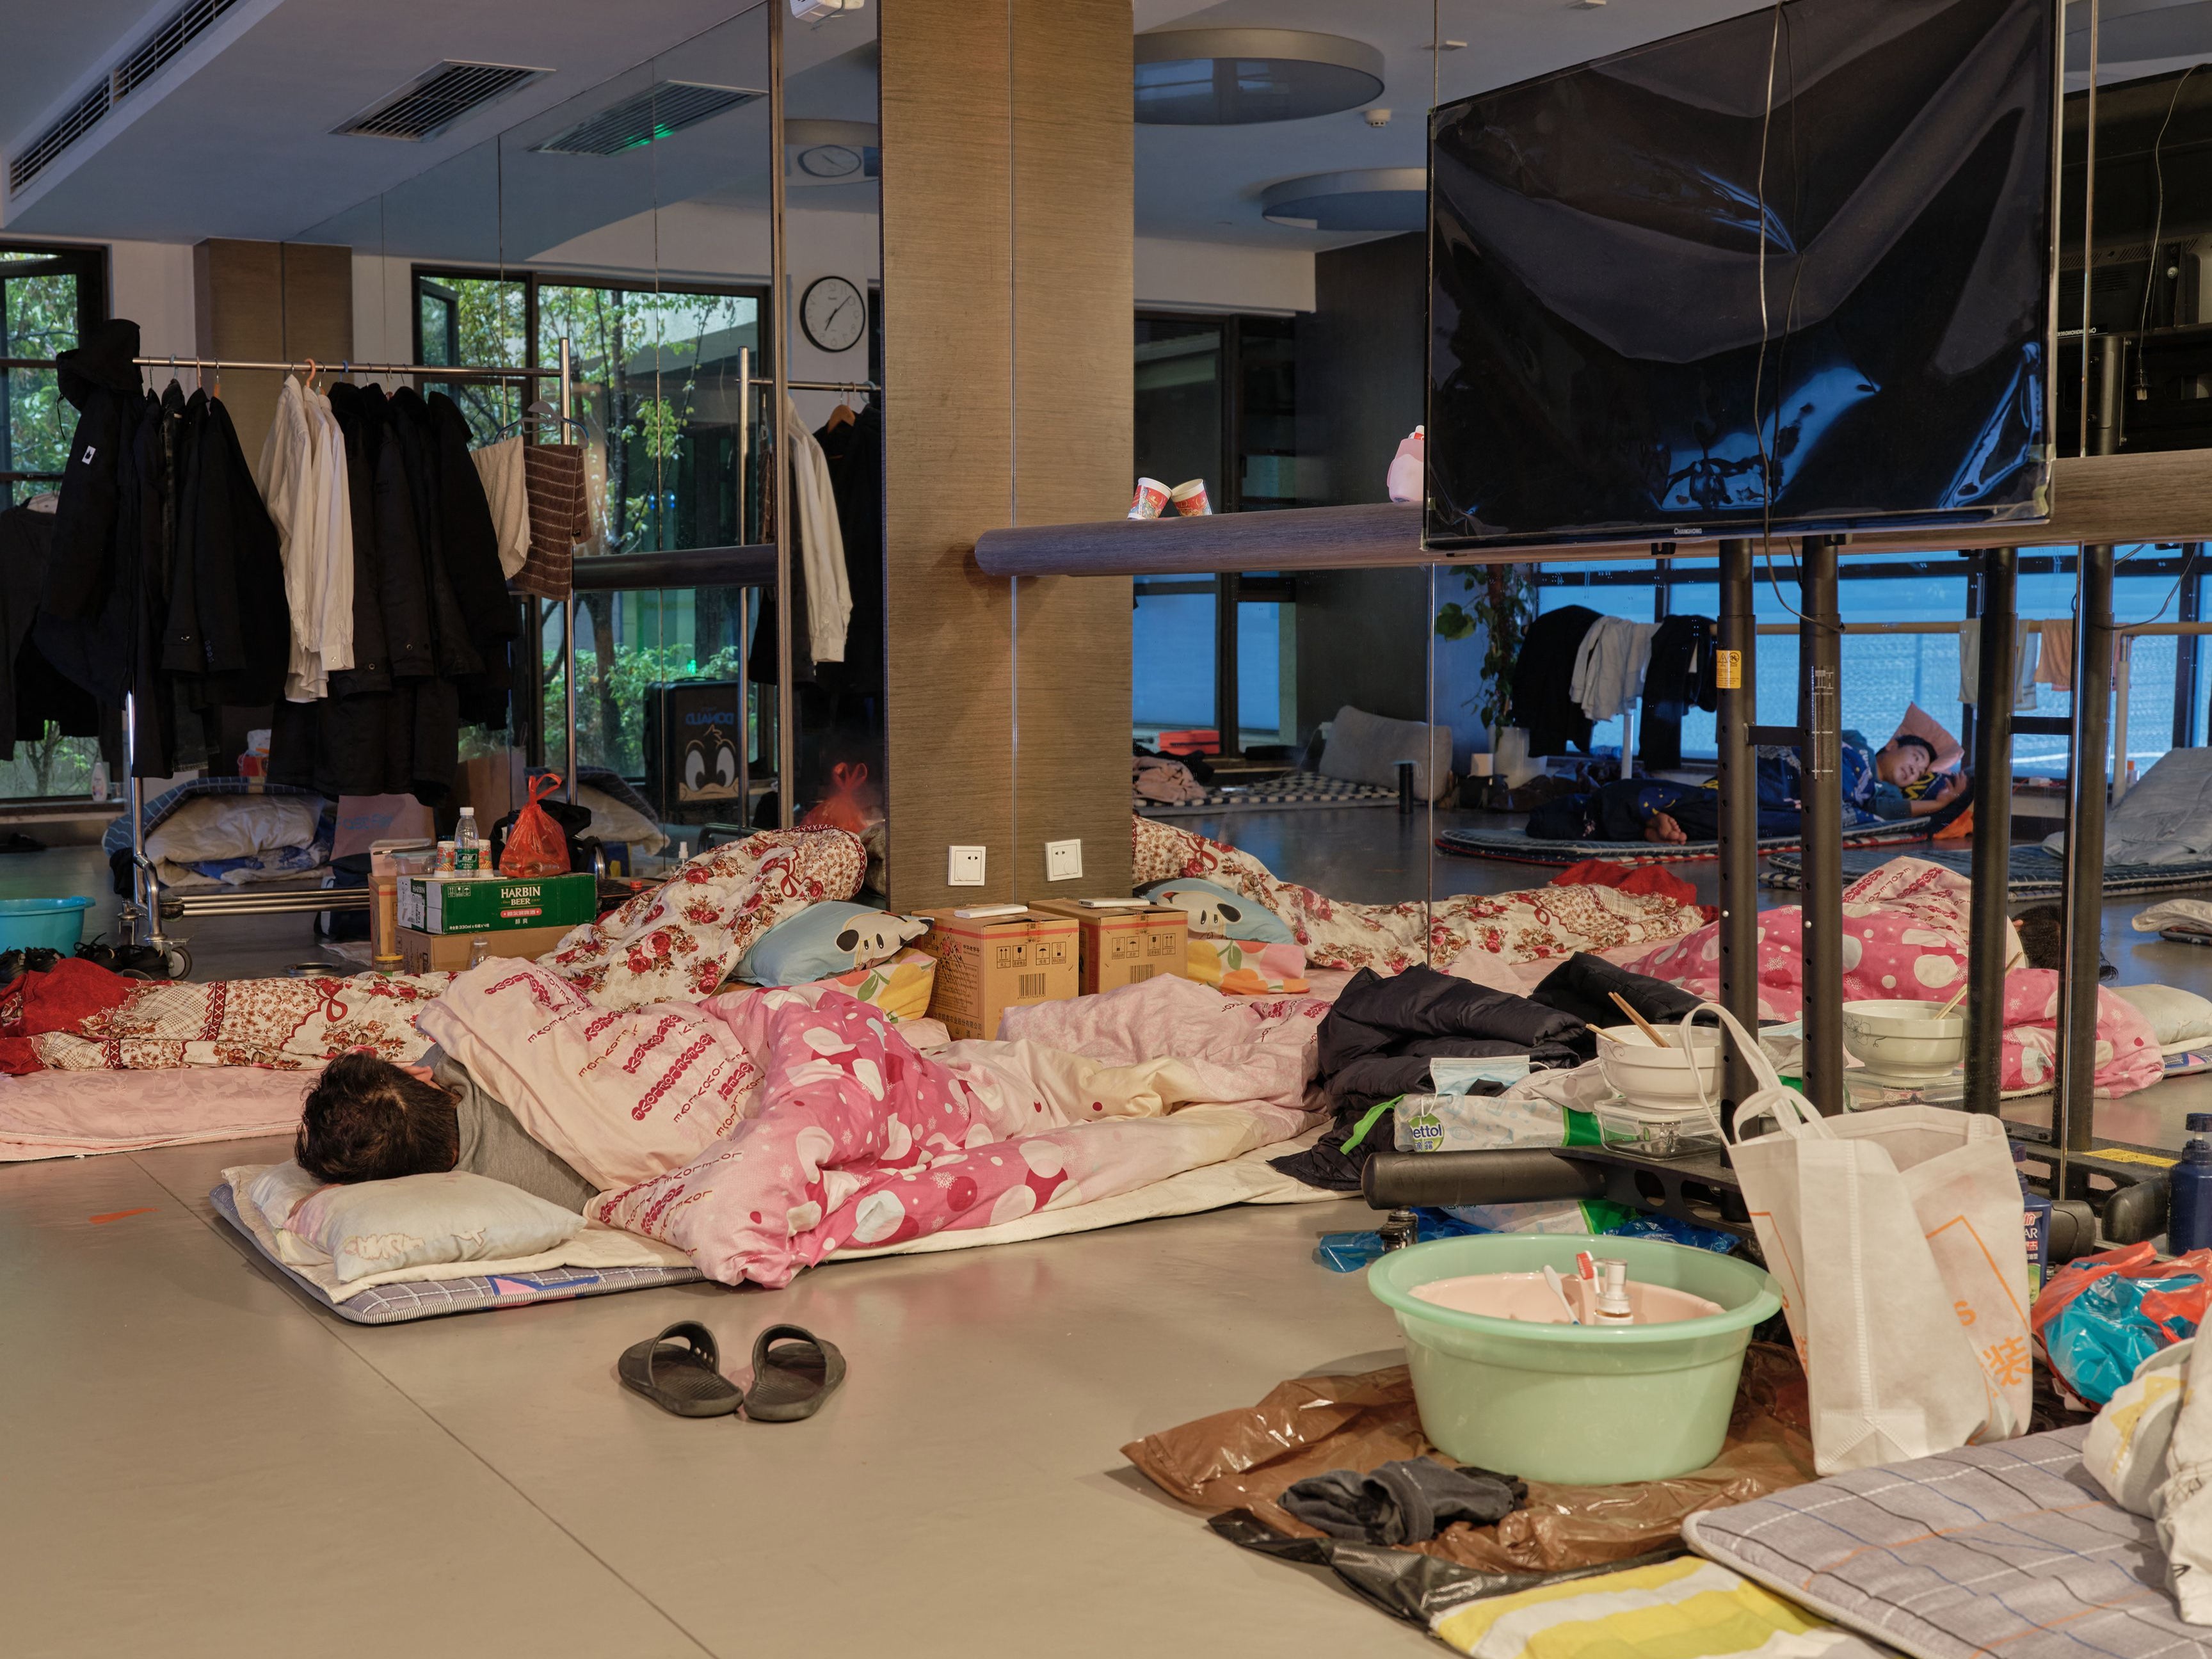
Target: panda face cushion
pixel 826 939
pixel 1217 913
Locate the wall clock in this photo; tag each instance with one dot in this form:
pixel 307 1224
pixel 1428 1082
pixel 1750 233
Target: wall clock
pixel 833 313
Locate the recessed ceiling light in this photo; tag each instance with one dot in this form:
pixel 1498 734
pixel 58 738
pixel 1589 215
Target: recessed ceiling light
pixel 1240 77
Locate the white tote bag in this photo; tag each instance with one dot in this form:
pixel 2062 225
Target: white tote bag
pixel 1895 1237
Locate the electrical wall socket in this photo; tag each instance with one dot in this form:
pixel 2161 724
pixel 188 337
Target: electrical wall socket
pixel 964 867
pixel 1063 861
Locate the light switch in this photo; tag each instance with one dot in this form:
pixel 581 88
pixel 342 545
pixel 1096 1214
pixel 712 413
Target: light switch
pixel 964 868
pixel 1063 861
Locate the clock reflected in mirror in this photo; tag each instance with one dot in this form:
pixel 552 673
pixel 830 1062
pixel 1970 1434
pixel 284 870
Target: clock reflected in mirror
pixel 833 313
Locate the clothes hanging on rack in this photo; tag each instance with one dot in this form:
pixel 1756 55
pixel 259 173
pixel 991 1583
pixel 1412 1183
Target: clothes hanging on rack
pixel 1609 666
pixel 308 489
pixel 433 625
pixel 2026 641
pixel 2056 670
pixel 164 584
pixel 821 543
pixel 31 693
pixel 1679 678
pixel 500 466
pixel 554 490
pixel 854 452
pixel 1542 674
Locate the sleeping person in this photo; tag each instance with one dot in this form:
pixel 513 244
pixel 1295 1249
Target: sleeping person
pixel 367 1119
pixel 1879 784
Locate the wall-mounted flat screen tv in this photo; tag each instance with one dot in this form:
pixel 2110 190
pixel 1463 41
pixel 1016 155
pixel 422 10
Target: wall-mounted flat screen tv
pixel 1600 366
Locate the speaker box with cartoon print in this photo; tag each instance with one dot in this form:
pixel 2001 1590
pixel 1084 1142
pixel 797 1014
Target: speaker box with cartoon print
pixel 692 736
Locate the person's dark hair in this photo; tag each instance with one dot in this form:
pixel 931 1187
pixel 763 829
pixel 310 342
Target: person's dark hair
pixel 365 1119
pixel 1918 742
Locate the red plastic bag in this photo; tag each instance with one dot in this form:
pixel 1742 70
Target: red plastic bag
pixel 841 808
pixel 536 847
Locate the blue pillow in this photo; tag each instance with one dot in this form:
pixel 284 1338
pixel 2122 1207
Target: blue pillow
pixel 825 939
pixel 1217 913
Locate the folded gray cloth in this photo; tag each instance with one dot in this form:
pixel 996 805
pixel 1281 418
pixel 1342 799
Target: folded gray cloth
pixel 1405 1502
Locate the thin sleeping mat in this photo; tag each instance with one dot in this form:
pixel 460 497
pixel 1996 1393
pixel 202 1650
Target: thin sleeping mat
pixel 1295 789
pixel 2035 874
pixel 432 1298
pixel 1515 846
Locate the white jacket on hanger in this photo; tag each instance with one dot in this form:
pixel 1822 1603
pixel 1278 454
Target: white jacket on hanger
pixel 288 487
pixel 822 541
pixel 335 632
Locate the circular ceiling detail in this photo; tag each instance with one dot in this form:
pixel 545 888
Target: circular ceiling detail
pixel 1380 200
pixel 1238 77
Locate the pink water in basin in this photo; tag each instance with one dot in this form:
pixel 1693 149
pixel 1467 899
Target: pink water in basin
pixel 1526 1297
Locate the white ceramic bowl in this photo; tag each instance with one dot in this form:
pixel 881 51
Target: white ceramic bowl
pixel 1659 1077
pixel 1905 1040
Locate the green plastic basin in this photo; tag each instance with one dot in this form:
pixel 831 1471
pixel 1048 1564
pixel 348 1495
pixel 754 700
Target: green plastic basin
pixel 1575 1404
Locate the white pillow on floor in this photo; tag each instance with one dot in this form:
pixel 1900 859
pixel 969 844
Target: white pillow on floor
pixel 2181 1019
pixel 1365 748
pixel 374 1226
pixel 212 827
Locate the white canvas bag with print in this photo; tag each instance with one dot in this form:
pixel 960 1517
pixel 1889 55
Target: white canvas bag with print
pixel 1895 1237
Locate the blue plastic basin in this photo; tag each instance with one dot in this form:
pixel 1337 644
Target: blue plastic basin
pixel 52 924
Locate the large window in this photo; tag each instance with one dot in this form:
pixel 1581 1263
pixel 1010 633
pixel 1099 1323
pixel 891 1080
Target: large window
pixel 49 297
pixel 1884 673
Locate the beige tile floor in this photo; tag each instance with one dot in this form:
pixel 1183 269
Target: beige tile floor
pixel 200 1461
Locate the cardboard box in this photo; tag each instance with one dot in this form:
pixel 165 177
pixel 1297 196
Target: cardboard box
pixel 988 964
pixel 444 953
pixel 1126 944
pixel 489 904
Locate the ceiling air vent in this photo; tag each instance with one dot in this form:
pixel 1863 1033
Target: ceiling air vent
pixel 430 103
pixel 46 149
pixel 660 111
pixel 185 25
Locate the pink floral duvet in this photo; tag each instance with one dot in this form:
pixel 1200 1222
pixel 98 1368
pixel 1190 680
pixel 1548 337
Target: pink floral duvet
pixel 864 1141
pixel 1905 938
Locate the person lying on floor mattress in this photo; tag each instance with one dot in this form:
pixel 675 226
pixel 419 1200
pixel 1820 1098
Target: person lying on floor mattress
pixel 1877 782
pixel 369 1120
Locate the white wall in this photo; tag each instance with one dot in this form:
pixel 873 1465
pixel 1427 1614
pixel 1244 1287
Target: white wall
pixel 1222 276
pixel 149 282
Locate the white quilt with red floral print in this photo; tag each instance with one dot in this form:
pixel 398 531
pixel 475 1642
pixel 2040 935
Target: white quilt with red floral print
pixel 672 943
pixel 1905 938
pixel 863 1141
pixel 1526 926
pixel 679 941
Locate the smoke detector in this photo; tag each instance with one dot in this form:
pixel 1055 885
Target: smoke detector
pixel 1377 118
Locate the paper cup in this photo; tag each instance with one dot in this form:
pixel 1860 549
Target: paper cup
pixel 1189 499
pixel 1151 497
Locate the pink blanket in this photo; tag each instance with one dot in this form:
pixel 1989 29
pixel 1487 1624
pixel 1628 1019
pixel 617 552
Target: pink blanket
pixel 78 1113
pixel 1905 938
pixel 864 1141
pixel 1541 923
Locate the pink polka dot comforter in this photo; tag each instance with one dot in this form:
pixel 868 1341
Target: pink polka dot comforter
pixel 861 1141
pixel 1906 936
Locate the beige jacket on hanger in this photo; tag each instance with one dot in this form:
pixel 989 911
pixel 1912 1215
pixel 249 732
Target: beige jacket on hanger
pixel 821 542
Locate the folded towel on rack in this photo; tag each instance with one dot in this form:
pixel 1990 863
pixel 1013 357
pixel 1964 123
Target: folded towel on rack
pixel 2025 656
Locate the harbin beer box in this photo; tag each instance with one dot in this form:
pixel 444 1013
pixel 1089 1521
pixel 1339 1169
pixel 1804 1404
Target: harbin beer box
pixel 493 904
pixel 1125 944
pixel 988 964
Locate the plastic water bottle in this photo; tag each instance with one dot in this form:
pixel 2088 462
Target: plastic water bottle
pixel 468 851
pixel 2189 1219
pixel 2035 1219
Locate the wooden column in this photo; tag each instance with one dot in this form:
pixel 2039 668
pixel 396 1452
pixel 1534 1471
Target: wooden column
pixel 1008 370
pixel 270 302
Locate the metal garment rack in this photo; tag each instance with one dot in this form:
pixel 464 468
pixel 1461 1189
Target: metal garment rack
pixel 148 906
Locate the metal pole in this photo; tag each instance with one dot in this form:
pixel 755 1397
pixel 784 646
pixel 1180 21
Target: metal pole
pixel 1739 825
pixel 1991 923
pixel 135 791
pixel 1819 697
pixel 786 711
pixel 568 603
pixel 2073 1106
pixel 744 594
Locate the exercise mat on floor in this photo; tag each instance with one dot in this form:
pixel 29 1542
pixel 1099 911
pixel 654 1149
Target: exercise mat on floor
pixel 1295 789
pixel 1517 846
pixel 1244 1460
pixel 2035 873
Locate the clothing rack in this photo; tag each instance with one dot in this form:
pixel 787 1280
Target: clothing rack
pixel 148 906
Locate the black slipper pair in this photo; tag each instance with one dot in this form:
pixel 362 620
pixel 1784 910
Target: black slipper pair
pixel 793 1372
